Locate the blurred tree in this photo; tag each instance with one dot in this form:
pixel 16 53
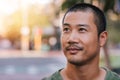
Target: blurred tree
pixel 108 4
pixel 114 30
pixel 37 16
pixel 13 24
pixel 68 3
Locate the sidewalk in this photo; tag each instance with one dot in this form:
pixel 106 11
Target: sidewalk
pixel 27 54
pixel 32 53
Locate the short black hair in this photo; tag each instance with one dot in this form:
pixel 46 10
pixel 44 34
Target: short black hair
pixel 99 16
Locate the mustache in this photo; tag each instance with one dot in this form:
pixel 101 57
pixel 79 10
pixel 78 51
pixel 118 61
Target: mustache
pixel 74 46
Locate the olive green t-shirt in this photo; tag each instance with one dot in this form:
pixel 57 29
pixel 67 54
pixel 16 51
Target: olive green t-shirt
pixel 109 76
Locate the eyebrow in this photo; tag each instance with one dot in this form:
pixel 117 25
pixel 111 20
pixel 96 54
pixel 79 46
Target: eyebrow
pixel 66 24
pixel 83 25
pixel 78 25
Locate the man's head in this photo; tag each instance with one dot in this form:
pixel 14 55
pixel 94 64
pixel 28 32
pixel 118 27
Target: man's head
pixel 80 29
pixel 99 17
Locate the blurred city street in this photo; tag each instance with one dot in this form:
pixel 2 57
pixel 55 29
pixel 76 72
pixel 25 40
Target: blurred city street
pixel 30 42
pixel 30 66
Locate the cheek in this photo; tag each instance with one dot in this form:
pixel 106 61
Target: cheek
pixel 63 40
pixel 94 47
pixel 90 42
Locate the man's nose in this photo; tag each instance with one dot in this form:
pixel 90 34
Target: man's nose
pixel 73 37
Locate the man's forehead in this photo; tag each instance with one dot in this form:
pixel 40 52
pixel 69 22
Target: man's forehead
pixel 76 17
pixel 81 11
pixel 78 13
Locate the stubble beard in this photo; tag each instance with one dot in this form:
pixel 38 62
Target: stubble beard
pixel 81 62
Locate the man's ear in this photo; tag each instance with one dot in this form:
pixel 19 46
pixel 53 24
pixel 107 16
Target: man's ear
pixel 103 38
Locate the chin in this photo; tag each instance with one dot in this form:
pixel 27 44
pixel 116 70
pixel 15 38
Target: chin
pixel 77 62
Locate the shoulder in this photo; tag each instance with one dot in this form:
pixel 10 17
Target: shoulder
pixel 54 76
pixel 111 75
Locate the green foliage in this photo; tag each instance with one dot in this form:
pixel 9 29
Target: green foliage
pixel 109 4
pixel 114 31
pixel 68 3
pixel 114 59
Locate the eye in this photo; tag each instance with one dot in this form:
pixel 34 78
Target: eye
pixel 82 30
pixel 66 29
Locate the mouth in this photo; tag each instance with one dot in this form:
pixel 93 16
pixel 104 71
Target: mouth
pixel 74 50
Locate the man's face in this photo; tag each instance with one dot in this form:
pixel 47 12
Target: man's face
pixel 79 37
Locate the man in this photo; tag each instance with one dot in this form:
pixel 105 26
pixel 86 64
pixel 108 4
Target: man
pixel 83 34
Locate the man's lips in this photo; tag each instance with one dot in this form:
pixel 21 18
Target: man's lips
pixel 74 49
